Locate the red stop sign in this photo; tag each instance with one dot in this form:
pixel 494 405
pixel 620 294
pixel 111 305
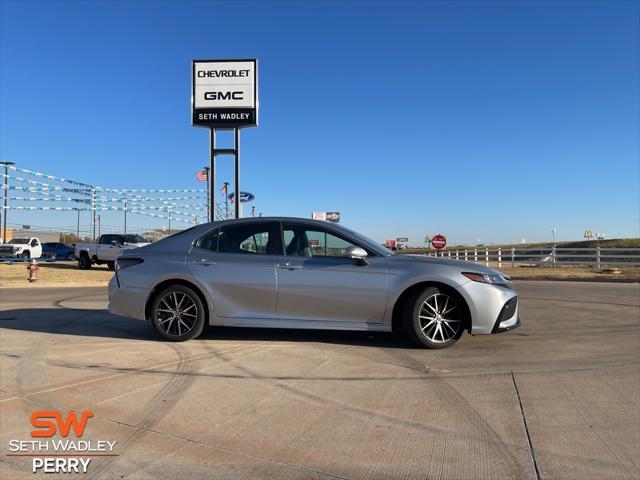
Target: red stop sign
pixel 438 242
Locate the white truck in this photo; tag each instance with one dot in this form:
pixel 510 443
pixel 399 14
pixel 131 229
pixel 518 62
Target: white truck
pixel 23 247
pixel 107 249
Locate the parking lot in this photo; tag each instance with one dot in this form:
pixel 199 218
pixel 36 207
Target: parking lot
pixel 557 398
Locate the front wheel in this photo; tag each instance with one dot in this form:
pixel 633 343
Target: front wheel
pixel 84 263
pixel 434 318
pixel 178 314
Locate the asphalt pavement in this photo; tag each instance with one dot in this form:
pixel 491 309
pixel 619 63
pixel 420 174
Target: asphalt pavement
pixel 557 398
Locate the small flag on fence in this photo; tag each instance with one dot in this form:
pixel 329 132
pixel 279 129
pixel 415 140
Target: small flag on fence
pixel 201 175
pixel 223 190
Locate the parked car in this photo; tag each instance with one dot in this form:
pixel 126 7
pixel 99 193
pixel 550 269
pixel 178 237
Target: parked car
pixel 109 246
pixel 231 273
pixel 58 250
pixel 25 247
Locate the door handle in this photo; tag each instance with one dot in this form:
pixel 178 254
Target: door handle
pixel 204 262
pixel 289 266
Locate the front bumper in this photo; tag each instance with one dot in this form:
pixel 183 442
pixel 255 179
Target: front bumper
pixel 487 307
pixel 508 318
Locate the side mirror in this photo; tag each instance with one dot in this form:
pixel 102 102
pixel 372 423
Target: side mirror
pixel 358 254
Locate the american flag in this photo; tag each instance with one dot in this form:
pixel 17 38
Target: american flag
pixel 201 175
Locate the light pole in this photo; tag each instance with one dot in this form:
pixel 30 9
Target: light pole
pixel 125 216
pixel 6 191
pixel 98 218
pixel 78 227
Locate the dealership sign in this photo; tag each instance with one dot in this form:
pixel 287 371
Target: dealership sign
pixel 244 197
pixel 326 216
pixel 224 93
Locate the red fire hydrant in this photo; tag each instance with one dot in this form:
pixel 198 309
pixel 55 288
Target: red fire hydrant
pixel 33 268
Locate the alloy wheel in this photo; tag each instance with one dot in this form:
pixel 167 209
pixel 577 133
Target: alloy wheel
pixel 177 313
pixel 440 318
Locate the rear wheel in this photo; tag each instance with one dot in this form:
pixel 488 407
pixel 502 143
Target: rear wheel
pixel 434 318
pixel 110 265
pixel 26 254
pixel 84 263
pixel 178 313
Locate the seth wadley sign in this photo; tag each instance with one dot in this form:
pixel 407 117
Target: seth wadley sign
pixel 224 93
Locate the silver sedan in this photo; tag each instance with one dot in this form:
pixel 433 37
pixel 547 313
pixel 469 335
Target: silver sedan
pixel 299 273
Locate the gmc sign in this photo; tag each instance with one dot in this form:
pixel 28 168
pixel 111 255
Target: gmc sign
pixel 224 93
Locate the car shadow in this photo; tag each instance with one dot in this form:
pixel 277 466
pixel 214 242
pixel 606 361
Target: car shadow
pixel 100 323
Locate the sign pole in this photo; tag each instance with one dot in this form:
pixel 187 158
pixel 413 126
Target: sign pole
pixel 236 179
pixel 208 170
pixel 212 177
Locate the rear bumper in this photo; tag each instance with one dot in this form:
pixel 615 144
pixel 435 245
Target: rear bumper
pixel 127 302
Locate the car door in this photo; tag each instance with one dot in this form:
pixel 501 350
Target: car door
pixel 106 250
pixel 317 283
pixel 236 263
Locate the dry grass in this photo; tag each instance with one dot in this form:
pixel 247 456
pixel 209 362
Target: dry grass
pixel 55 274
pixel 68 274
pixel 577 273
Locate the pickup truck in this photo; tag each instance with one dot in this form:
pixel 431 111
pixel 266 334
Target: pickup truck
pixel 109 246
pixel 25 247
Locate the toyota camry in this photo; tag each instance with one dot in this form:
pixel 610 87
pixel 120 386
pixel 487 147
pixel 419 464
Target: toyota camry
pixel 300 273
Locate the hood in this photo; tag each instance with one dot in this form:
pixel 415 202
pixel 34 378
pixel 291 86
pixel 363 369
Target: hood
pixel 458 264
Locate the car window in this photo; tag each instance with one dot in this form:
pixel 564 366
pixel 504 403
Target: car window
pixel 134 239
pixel 106 239
pixel 301 241
pixel 249 239
pixel 209 241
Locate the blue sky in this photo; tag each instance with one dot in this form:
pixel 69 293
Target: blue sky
pixel 479 120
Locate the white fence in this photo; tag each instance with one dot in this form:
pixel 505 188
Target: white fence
pixel 546 256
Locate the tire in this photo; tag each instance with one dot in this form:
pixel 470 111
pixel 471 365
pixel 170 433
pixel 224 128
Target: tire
pixel 26 254
pixel 83 262
pixel 111 265
pixel 434 318
pixel 163 317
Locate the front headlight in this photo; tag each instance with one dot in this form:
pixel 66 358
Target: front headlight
pixel 492 278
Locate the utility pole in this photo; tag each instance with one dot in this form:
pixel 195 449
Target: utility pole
pixel 78 227
pixel 169 223
pixel 99 225
pixel 125 216
pixel 93 208
pixel 6 191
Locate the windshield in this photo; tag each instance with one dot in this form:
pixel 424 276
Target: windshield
pixel 19 241
pixel 134 239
